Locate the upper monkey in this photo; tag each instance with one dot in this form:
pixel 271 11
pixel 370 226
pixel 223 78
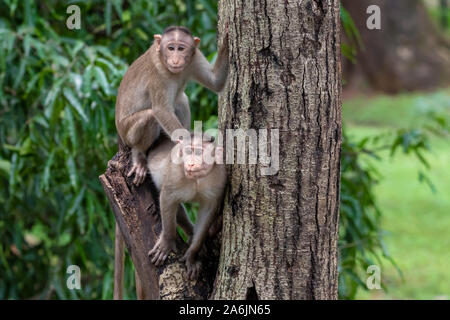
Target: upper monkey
pixel 175 48
pixel 151 95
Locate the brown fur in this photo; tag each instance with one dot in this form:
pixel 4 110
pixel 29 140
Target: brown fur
pixel 151 97
pixel 175 189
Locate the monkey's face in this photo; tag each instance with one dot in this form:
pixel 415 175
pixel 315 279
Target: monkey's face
pixel 198 160
pixel 176 50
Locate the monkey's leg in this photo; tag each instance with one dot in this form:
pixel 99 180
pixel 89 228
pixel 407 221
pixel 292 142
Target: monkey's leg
pixel 118 265
pixel 205 219
pixel 166 241
pixel 138 168
pixel 184 222
pixel 140 137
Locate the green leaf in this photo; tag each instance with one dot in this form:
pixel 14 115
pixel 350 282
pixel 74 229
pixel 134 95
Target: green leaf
pixel 71 128
pixel 18 77
pixel 76 202
pixel 141 34
pixel 47 167
pixel 73 175
pixel 87 77
pixel 101 78
pixel 74 102
pixel 107 64
pixel 77 48
pixel 5 167
pixel 64 239
pixel 49 101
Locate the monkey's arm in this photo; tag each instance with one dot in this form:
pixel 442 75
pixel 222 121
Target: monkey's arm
pixel 167 119
pixel 212 78
pixel 164 109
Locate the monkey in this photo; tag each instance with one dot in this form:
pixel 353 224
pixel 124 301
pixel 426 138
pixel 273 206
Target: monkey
pixel 151 94
pixel 208 181
pixel 188 170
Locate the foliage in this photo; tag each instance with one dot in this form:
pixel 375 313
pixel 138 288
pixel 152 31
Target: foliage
pixel 57 96
pixel 440 15
pixel 353 40
pixel 57 130
pixel 361 237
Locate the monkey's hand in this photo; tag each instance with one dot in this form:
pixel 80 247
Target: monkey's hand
pixel 193 265
pixel 140 172
pixel 161 250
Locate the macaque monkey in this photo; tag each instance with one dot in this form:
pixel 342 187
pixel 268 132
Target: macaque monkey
pixel 186 171
pixel 151 95
pixel 191 180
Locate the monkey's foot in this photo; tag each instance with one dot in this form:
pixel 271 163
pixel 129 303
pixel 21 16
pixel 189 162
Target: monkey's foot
pixel 140 172
pixel 193 266
pixel 161 250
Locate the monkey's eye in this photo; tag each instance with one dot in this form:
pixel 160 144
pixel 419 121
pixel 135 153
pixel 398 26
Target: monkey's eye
pixel 188 151
pixel 198 152
pixel 180 48
pixel 171 48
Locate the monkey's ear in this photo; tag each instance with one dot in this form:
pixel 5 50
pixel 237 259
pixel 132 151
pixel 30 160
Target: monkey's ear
pixel 157 38
pixel 208 138
pixel 196 41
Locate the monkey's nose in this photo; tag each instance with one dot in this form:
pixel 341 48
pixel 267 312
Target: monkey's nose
pixel 192 166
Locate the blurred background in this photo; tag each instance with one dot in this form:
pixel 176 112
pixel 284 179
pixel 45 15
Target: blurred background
pixel 57 95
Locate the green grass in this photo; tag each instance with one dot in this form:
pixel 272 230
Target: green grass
pixel 417 220
pixel 402 110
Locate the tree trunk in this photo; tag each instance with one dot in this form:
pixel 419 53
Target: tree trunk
pixel 408 53
pixel 280 232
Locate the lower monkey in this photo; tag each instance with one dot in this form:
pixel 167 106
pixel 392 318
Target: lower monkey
pixel 186 171
pixel 191 180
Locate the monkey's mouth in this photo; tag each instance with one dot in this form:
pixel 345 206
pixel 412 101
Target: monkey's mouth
pixel 194 173
pixel 176 69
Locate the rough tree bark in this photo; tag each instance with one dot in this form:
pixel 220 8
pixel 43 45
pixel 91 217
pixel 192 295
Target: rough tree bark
pixel 408 53
pixel 280 232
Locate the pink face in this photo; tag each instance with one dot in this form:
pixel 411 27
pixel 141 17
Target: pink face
pixel 195 165
pixel 199 159
pixel 176 49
